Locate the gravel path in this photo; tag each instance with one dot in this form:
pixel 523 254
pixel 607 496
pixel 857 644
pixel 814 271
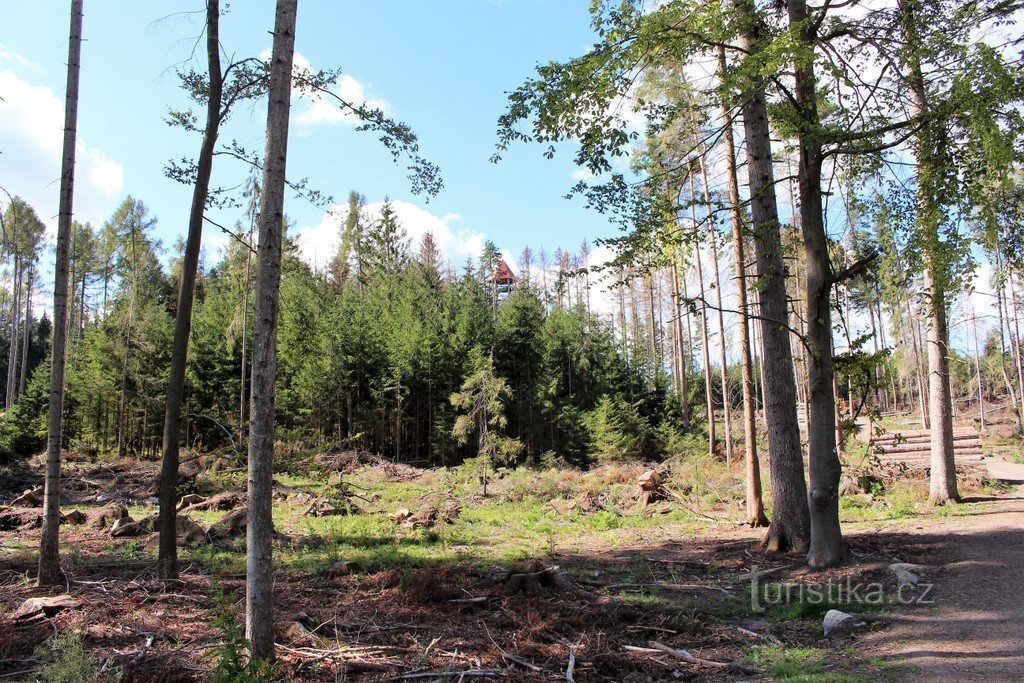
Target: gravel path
pixel 975 629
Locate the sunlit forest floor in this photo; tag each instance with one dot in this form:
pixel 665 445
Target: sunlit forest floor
pixel 390 572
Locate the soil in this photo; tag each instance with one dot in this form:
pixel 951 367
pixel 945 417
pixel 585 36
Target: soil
pixel 973 630
pixel 588 603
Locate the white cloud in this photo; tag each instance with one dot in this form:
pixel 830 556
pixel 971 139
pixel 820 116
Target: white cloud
pixel 9 55
pixel 325 109
pixel 582 174
pixel 322 108
pixel 31 137
pixel 318 243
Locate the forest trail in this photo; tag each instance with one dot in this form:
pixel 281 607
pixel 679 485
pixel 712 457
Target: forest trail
pixel 972 632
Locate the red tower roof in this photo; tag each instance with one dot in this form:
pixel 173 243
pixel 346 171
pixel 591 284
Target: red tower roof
pixel 503 273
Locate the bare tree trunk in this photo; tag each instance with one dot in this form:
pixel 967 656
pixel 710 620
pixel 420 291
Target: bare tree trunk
pixel 12 352
pixel 684 391
pixel 49 549
pixel 754 496
pixel 940 408
pixel 827 548
pixel 977 369
pixel 708 383
pixel 259 580
pixel 26 336
pixel 790 523
pixel 1017 353
pixel 245 340
pixel 713 239
pixel 168 554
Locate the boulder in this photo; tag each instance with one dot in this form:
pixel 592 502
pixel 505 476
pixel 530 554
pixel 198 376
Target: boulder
pixel 837 624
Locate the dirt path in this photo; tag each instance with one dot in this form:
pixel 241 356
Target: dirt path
pixel 973 631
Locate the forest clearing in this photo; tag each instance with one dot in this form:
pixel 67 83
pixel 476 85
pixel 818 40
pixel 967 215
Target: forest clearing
pixel 762 419
pixel 391 570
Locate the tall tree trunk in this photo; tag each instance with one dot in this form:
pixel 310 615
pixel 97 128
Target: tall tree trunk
pixel 12 351
pixel 940 404
pixel 977 369
pixel 245 341
pixel 49 549
pixel 708 383
pixel 684 399
pixel 755 499
pixel 713 240
pixel 168 554
pixel 790 524
pixel 827 548
pixel 1018 354
pixel 259 580
pixel 26 336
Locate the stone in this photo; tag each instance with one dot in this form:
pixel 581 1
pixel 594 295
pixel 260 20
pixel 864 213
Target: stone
pixel 904 575
pixel 838 624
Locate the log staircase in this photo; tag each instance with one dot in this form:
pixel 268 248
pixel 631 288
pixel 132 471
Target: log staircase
pixel 912 447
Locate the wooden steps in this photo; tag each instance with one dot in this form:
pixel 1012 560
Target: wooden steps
pixel 912 447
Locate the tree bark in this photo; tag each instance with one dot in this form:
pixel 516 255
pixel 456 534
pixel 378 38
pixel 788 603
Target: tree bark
pixel 259 582
pixel 790 523
pixel 684 390
pixel 708 383
pixel 713 240
pixel 754 496
pixel 27 333
pixel 977 369
pixel 167 562
pixel 49 550
pixel 940 405
pixel 827 548
pixel 12 352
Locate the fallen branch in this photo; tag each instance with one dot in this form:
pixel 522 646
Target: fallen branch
pixel 468 673
pixel 660 648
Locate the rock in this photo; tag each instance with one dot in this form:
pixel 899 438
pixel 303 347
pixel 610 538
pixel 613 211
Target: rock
pixel 73 517
pixel 838 624
pixel 107 515
pixel 31 498
pixel 904 575
pixel 44 606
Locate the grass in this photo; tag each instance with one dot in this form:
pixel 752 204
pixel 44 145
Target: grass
pixel 798 664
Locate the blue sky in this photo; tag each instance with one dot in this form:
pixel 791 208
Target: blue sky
pixel 442 67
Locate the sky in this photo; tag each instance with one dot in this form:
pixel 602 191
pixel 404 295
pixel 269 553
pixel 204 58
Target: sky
pixel 443 67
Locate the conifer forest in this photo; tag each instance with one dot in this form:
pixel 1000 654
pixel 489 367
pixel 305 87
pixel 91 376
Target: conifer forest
pixel 621 340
